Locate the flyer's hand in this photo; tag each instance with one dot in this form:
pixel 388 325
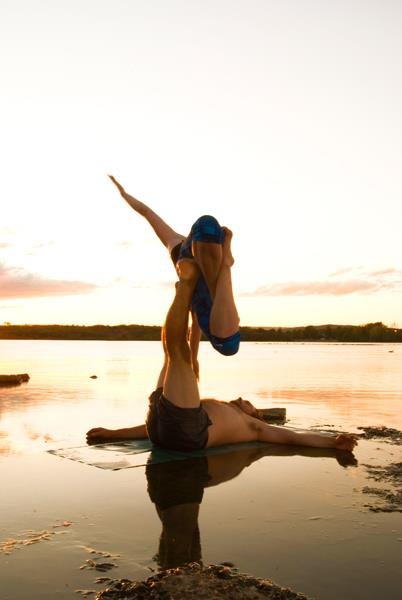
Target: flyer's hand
pixel 119 186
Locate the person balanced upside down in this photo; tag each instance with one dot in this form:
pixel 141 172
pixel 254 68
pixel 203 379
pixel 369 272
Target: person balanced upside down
pixel 177 419
pixel 213 307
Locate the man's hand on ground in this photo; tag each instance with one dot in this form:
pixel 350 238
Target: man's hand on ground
pixel 99 434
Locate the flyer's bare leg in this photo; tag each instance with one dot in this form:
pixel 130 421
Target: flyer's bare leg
pixel 215 262
pixel 168 236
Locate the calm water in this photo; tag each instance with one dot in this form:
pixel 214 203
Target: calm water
pixel 297 518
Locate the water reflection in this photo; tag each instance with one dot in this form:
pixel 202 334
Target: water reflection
pixel 177 488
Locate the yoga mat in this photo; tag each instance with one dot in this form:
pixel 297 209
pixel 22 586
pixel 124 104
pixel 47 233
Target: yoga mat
pixel 138 453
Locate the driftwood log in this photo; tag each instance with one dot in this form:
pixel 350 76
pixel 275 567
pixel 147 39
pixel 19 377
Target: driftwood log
pixel 13 379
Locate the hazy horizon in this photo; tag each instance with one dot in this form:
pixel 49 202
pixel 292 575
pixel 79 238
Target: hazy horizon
pixel 120 324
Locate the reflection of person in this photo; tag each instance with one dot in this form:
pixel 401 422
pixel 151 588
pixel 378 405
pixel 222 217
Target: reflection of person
pixel 176 488
pixel 178 420
pixel 213 306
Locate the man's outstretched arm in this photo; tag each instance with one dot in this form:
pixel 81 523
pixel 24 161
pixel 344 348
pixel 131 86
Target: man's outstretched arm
pixel 314 439
pixel 100 434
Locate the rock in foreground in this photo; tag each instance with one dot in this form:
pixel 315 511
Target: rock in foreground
pixel 14 379
pixel 195 582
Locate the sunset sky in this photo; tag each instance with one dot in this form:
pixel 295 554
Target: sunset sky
pixel 281 118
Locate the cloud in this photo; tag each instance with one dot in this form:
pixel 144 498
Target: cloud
pixel 344 270
pixel 367 283
pixel 390 271
pixel 16 283
pixel 315 288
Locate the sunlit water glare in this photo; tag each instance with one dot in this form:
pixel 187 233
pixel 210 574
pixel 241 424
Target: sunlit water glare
pixel 298 519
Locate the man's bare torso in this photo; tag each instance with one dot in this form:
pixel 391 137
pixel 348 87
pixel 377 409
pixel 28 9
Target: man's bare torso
pixel 230 422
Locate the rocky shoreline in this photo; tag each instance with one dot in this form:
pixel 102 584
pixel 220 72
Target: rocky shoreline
pixel 386 434
pixel 196 582
pixel 384 499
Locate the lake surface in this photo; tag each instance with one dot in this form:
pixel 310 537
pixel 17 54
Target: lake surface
pixel 299 518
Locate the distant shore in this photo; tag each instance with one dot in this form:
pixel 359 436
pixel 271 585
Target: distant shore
pixel 369 333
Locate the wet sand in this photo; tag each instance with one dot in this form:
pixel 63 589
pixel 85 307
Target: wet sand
pixel 223 582
pixel 384 499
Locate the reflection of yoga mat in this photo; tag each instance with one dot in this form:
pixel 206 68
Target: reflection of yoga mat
pixel 126 455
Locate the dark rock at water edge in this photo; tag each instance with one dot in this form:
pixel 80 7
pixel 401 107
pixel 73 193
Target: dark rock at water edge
pixel 388 434
pixel 196 582
pixel 386 499
pixel 14 379
pixel 274 415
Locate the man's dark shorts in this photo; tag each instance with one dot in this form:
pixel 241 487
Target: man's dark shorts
pixel 205 229
pixel 175 428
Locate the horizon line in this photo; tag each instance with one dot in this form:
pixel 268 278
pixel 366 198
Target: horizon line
pixel 267 327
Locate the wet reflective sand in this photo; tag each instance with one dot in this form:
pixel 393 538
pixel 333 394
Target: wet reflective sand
pixel 298 518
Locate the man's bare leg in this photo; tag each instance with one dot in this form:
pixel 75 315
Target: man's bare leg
pixel 215 262
pixel 98 435
pixel 165 233
pixel 180 385
pixel 162 374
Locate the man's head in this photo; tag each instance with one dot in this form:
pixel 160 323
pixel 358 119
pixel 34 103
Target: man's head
pixel 247 407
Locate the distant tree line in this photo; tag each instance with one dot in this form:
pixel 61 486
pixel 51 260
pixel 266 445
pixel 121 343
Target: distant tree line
pixel 371 332
pixel 80 332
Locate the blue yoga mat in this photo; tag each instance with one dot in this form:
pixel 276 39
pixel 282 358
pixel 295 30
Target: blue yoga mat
pixel 138 453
